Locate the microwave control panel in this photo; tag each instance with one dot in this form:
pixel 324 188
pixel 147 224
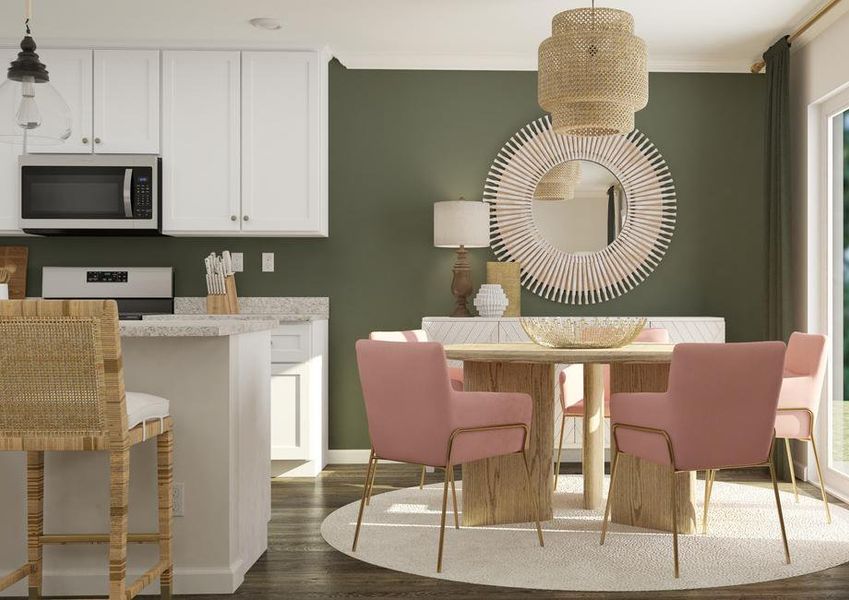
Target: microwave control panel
pixel 143 195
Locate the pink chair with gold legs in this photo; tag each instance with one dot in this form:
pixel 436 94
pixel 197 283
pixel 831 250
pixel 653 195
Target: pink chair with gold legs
pixel 804 371
pixel 718 413
pixel 414 416
pixel 413 335
pixel 571 384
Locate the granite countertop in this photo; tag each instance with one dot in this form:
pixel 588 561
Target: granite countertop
pixel 190 326
pixel 282 309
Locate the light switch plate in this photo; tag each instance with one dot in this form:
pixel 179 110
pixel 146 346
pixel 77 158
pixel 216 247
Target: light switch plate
pixel 237 259
pixel 268 262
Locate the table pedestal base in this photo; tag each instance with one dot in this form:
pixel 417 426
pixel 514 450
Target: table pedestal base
pixel 495 490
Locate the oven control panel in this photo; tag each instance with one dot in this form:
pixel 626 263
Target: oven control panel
pixel 106 277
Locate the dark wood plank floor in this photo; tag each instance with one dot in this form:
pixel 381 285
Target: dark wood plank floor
pixel 300 565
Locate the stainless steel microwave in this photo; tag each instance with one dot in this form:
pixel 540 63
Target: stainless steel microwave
pixel 77 194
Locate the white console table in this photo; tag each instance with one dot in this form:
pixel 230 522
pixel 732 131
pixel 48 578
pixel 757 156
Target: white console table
pixel 467 330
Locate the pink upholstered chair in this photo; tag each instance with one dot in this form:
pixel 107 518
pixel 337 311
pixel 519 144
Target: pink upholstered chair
pixel 414 335
pixel 718 413
pixel 804 371
pixel 571 384
pixel 415 416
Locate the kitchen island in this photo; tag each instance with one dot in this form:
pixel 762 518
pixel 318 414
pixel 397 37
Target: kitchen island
pixel 216 375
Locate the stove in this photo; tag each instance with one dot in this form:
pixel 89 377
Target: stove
pixel 139 291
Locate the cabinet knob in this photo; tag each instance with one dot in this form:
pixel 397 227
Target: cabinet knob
pixel 246 218
pixel 96 140
pixel 85 140
pixel 234 218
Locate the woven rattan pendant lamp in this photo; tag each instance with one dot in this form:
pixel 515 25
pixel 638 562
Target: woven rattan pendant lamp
pixel 560 182
pixel 593 72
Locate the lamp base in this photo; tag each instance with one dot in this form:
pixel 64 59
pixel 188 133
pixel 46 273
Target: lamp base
pixel 461 283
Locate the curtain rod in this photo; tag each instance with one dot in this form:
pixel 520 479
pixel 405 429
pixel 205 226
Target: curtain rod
pixel 820 12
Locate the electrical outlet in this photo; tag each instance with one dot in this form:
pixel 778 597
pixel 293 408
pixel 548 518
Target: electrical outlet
pixel 177 499
pixel 268 262
pixel 237 259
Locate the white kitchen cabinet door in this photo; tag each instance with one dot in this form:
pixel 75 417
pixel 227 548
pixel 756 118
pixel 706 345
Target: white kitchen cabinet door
pixel 71 74
pixel 200 142
pixel 126 101
pixel 283 186
pixel 9 179
pixel 289 413
pixel 10 182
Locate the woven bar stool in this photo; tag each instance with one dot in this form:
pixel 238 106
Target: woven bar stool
pixel 62 389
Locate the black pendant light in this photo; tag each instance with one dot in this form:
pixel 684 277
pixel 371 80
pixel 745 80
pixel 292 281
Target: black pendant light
pixel 31 110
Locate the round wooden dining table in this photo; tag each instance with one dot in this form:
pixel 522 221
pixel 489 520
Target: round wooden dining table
pixel 494 489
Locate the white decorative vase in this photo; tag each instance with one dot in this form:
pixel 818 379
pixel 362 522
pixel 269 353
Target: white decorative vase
pixel 491 300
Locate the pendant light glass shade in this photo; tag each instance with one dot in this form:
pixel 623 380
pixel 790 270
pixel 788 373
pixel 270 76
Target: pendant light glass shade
pixel 593 72
pixel 560 182
pixel 29 104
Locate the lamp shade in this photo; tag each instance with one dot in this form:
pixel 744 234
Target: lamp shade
pixel 461 223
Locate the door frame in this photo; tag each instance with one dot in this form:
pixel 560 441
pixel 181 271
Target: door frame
pixel 824 276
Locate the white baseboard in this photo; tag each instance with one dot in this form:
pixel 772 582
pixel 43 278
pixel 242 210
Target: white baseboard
pixel 360 457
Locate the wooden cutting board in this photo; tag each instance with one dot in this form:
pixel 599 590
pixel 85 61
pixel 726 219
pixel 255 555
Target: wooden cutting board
pixel 14 258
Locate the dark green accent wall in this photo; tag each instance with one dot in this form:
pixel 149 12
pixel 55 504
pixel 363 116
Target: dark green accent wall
pixel 400 140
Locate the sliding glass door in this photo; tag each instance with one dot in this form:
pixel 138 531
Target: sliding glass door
pixel 828 280
pixel 839 405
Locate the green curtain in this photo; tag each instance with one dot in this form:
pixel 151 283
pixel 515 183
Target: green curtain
pixel 777 189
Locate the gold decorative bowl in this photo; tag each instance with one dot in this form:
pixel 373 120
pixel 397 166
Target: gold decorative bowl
pixel 583 332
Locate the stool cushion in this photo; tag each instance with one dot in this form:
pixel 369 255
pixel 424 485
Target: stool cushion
pixel 144 407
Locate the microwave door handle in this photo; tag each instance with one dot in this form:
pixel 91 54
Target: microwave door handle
pixel 128 182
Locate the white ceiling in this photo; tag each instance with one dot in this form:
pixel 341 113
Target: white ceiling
pixel 682 35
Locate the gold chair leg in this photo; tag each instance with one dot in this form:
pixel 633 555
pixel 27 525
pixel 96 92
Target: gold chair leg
pixel 119 474
pixel 35 520
pixel 370 483
pixel 164 479
pixel 442 522
pixel 674 495
pixel 559 451
pixel 531 498
pixel 710 476
pixel 822 481
pixel 607 506
pixel 780 514
pixel 792 468
pixel 422 478
pixel 454 499
pixel 372 463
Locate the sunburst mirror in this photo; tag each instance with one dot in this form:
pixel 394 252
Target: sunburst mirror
pixel 587 218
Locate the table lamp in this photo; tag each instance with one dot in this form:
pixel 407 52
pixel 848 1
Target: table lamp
pixel 461 224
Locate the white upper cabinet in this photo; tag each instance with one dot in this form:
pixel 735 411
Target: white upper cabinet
pixel 126 101
pixel 71 74
pixel 283 191
pixel 114 100
pixel 9 185
pixel 200 142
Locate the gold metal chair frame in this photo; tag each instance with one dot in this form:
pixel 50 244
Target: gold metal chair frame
pixel 449 479
pixel 563 418
pixel 816 460
pixel 708 484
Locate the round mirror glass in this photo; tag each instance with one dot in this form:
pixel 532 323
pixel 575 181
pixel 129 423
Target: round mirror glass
pixel 579 206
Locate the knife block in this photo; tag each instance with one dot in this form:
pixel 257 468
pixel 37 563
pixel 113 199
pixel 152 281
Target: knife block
pixel 224 304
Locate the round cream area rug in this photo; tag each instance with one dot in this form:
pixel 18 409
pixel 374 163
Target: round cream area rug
pixel 401 530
